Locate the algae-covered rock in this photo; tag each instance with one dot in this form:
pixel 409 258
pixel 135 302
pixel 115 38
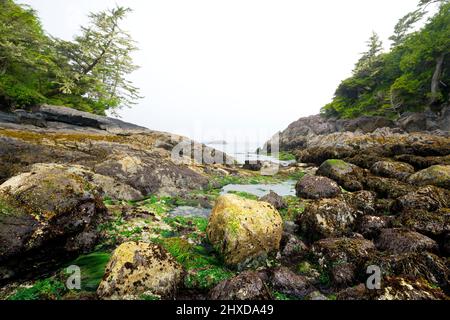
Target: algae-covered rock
pixel 345 174
pixel 343 258
pixel 136 269
pixel 244 230
pixel 392 169
pixel 434 224
pixel 326 218
pixel 435 175
pixel 312 187
pixel 287 282
pixel 428 198
pixel 246 286
pixel 423 265
pixel 46 214
pixel 387 187
pixel 402 241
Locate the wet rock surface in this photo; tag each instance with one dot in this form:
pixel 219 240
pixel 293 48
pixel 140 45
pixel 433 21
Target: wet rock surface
pixel 314 187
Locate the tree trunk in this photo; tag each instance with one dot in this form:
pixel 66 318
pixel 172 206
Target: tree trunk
pixel 435 82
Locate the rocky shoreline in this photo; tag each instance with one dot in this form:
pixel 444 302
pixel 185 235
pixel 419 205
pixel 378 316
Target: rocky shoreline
pixel 94 192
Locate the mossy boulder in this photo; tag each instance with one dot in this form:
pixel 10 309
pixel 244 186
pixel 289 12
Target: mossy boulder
pixel 46 215
pixel 244 230
pixel 435 175
pixel 313 187
pixel 345 174
pixel 392 169
pixel 139 269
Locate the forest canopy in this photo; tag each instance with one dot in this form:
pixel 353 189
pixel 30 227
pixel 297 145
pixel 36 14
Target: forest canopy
pixel 88 73
pixel 413 76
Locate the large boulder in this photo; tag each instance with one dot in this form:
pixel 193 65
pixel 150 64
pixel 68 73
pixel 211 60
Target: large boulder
pixel 371 226
pixel 136 269
pixel 435 175
pixel 392 169
pixel 346 174
pixel 46 215
pixel 246 286
pixel 402 241
pixel 313 187
pixel 244 230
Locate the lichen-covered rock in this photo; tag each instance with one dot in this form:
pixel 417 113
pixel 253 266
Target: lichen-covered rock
pixel 428 198
pixel 326 218
pixel 414 265
pixel 314 187
pixel 438 175
pixel 285 281
pixel 343 258
pixel 246 286
pixel 345 174
pixel 137 269
pixel 244 230
pixel 403 241
pixel 392 169
pixel 275 200
pixel 45 214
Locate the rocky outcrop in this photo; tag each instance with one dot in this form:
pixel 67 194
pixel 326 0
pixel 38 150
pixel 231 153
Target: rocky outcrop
pixel 299 134
pixel 137 269
pixel 244 231
pixel 46 215
pixel 131 155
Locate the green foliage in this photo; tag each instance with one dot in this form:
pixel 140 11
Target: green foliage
pixel 88 73
pixel 286 156
pixel 92 268
pixel 295 207
pixel 47 289
pixel 400 80
pixel 208 278
pixel 245 195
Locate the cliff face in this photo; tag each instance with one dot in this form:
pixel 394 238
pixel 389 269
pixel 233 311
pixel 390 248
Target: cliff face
pixel 299 133
pixel 131 155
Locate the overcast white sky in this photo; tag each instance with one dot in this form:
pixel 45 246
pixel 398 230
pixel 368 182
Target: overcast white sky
pixel 227 69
